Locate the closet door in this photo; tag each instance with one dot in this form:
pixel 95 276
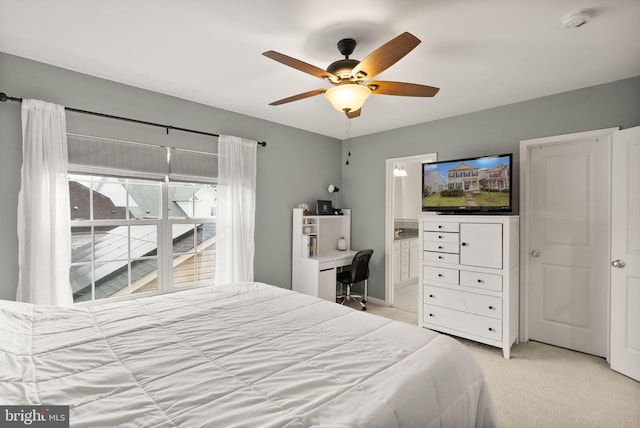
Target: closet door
pixel 568 245
pixel 625 254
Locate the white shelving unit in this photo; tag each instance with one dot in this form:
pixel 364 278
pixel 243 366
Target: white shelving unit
pixel 469 281
pixel 315 257
pixel 309 240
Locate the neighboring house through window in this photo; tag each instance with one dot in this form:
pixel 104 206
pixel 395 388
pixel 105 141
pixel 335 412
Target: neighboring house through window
pixel 117 235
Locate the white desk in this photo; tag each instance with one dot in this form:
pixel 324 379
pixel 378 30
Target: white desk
pixel 319 235
pixel 335 259
pixel 326 267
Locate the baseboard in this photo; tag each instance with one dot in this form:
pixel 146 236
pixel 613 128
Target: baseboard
pixel 376 301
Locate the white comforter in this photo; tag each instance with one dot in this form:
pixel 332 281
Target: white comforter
pixel 247 355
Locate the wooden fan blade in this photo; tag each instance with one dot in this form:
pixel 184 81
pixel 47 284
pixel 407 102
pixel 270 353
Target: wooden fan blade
pixel 298 97
pixel 299 65
pixel 353 114
pixel 401 88
pixel 386 55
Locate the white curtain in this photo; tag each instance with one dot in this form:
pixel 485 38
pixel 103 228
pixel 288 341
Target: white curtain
pixel 44 252
pixel 236 207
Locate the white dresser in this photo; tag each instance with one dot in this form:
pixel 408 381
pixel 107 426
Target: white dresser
pixel 470 277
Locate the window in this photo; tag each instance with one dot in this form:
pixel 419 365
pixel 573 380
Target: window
pixel 143 213
pixel 114 236
pixel 118 228
pixel 193 232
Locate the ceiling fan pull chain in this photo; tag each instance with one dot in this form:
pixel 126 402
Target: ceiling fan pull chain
pixel 348 140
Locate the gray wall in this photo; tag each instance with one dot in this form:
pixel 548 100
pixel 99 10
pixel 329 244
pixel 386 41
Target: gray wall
pixel 285 177
pixel 492 131
pixel 283 166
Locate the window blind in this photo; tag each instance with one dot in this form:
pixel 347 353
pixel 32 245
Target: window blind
pixel 103 156
pixel 105 146
pixel 193 166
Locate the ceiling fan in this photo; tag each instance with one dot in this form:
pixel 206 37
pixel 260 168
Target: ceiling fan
pixel 351 78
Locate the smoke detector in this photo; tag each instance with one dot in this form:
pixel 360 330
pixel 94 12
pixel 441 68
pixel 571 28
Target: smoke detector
pixel 576 19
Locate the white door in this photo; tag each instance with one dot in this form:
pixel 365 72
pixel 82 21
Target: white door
pixel 569 188
pixel 625 254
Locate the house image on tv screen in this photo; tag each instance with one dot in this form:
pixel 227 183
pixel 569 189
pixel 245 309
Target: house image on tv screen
pixel 473 179
pixel 475 182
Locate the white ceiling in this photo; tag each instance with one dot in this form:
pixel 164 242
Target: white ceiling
pixel 481 53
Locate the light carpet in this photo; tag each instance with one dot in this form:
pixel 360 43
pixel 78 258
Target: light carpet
pixel 546 386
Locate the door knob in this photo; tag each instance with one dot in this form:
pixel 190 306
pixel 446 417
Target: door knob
pixel 535 253
pixel 618 264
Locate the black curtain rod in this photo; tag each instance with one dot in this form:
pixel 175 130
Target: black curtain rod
pixel 4 97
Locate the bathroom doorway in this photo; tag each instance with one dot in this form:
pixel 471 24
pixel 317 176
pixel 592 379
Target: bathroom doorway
pixel 403 207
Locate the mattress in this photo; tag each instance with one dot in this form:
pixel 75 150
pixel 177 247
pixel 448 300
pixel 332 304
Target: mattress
pixel 246 355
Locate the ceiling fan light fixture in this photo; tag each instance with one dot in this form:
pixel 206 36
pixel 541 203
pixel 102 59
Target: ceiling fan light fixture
pixel 350 89
pixel 347 97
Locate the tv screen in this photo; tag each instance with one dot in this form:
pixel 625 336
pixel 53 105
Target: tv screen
pixel 472 185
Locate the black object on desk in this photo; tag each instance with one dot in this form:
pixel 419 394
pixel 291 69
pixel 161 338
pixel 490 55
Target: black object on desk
pixel 324 207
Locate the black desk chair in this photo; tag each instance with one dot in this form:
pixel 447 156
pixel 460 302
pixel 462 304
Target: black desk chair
pixel 357 272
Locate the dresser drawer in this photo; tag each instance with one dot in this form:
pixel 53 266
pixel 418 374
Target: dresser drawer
pixel 441 226
pixel 445 247
pixel 478 325
pixel 486 281
pixel 436 274
pixel 430 256
pixel 442 237
pixel 478 304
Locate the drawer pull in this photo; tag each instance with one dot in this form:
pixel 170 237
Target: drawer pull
pixel 440 226
pixel 464 244
pixel 440 275
pixel 431 296
pixel 480 281
pixel 432 316
pixel 491 329
pixel 440 237
pixel 440 257
pixel 492 308
pixel 440 247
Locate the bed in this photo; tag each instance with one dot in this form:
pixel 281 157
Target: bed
pixel 249 355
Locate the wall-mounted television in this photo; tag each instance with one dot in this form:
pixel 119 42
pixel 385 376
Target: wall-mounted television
pixel 471 185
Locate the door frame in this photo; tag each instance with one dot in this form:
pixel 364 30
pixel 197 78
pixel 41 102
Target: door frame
pixel 388 232
pixel 525 148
